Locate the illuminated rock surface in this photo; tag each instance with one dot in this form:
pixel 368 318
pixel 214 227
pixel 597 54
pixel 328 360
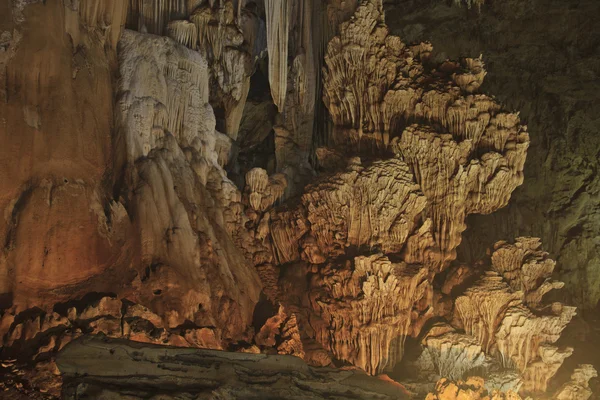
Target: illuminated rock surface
pixel 247 177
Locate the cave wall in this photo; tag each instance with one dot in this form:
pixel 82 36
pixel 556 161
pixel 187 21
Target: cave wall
pixel 543 59
pixel 120 218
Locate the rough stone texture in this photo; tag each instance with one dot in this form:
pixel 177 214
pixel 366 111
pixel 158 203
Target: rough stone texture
pixel 184 204
pixel 149 240
pixel 448 354
pixel 542 59
pixel 501 317
pixel 148 214
pixel 471 389
pixel 60 170
pixel 375 87
pixel 88 367
pixel 578 387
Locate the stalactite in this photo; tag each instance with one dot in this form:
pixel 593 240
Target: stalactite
pixel 154 16
pixel 370 333
pixel 278 24
pixel 223 44
pixel 184 32
pixel 107 16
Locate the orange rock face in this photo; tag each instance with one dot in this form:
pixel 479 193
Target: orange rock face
pixel 56 116
pixel 127 198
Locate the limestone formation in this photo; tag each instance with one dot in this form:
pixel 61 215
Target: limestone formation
pixel 183 199
pixel 264 191
pixel 373 88
pixel 377 297
pixel 450 354
pixel 578 387
pixel 60 232
pixel 278 28
pixel 471 389
pixel 171 373
pixel 498 314
pixel 334 241
pixel 526 268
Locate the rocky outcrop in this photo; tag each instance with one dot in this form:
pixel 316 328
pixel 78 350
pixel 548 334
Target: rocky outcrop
pixel 377 297
pixel 578 387
pixel 474 388
pixel 449 354
pixel 166 239
pixel 194 271
pixel 88 367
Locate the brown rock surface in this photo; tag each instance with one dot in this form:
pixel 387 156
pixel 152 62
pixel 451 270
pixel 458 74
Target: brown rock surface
pixel 120 219
pixel 88 367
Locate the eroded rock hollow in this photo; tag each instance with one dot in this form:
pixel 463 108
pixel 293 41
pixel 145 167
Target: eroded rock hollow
pixel 269 177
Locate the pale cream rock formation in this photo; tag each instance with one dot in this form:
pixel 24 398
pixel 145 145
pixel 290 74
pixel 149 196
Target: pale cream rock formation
pixel 222 42
pixel 526 268
pixel 185 207
pixel 350 262
pixel 278 28
pixel 213 29
pixel 525 340
pixel 375 206
pixel 498 315
pixel 482 306
pixel 472 75
pixel 263 191
pixel 578 387
pixel 450 354
pixel 471 389
pixel 154 16
pixel 412 206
